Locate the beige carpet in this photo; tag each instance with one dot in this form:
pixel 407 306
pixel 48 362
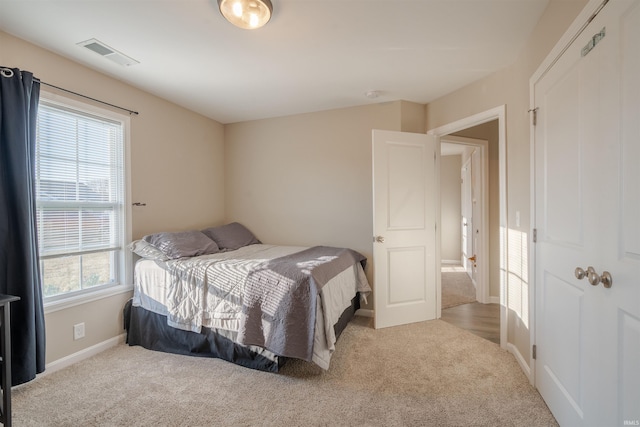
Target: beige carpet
pixel 457 287
pixel 423 374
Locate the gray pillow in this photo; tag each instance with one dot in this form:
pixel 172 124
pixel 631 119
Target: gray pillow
pixel 147 250
pixel 182 244
pixel 231 236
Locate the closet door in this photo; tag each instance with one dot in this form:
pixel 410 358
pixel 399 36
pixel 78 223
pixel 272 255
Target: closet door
pixel 587 207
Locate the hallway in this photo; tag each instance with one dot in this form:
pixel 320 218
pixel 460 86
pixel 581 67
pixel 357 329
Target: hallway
pixel 482 320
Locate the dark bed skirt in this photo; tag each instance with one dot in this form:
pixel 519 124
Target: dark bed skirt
pixel 150 330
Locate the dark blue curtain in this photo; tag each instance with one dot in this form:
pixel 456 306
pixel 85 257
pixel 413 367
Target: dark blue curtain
pixel 19 268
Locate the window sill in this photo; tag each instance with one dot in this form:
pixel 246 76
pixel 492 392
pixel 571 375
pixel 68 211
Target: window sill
pixel 72 301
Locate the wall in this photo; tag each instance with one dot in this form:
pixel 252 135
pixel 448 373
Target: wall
pixel 450 207
pixel 306 179
pixel 177 169
pixel 412 117
pixel 510 87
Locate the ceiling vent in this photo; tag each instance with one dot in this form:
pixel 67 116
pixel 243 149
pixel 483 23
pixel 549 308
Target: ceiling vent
pixel 103 50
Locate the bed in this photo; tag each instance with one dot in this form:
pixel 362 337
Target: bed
pixel 221 293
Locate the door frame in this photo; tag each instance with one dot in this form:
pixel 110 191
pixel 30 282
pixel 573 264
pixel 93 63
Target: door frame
pixel 497 113
pixel 482 282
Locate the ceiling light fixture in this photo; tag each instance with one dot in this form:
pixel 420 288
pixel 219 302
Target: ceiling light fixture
pixel 247 14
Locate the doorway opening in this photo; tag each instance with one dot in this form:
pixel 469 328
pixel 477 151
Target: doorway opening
pixel 481 250
pixel 465 180
pixel 466 184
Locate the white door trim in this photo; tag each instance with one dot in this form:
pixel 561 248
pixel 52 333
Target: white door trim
pixel 498 113
pixel 482 282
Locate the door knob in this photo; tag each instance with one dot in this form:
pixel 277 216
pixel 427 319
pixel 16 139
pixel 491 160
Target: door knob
pixel 594 278
pixel 606 279
pixel 473 260
pixel 378 239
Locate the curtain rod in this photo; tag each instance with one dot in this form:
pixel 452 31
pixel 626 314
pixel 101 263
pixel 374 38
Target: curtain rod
pixel 88 97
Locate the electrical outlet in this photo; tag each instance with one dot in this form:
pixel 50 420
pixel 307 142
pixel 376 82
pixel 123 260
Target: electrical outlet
pixel 78 331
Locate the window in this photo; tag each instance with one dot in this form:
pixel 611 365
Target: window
pixel 80 198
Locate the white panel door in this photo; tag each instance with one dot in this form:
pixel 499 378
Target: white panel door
pixel 587 212
pixel 404 206
pixel 620 241
pixel 476 214
pixel 468 249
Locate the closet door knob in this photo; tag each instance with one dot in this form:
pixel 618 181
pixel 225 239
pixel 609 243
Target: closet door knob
pixel 594 278
pixel 606 279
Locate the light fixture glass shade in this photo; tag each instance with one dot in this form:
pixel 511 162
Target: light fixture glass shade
pixel 247 14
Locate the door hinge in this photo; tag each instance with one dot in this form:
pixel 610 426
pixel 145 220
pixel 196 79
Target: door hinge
pixel 535 235
pixel 534 352
pixel 593 42
pixel 534 116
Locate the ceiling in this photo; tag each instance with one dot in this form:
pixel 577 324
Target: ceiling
pixel 313 55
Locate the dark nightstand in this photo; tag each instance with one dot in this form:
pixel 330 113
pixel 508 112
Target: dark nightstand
pixel 5 357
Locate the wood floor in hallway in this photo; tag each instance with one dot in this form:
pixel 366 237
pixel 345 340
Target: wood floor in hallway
pixel 479 319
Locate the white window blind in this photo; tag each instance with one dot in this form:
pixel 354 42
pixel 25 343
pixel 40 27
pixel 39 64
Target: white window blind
pixel 80 198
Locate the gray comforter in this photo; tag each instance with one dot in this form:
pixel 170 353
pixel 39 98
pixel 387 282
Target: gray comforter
pixel 279 301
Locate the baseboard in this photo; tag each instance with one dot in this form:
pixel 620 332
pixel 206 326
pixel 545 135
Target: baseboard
pixel 364 312
pixel 450 262
pixel 86 353
pixel 523 365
